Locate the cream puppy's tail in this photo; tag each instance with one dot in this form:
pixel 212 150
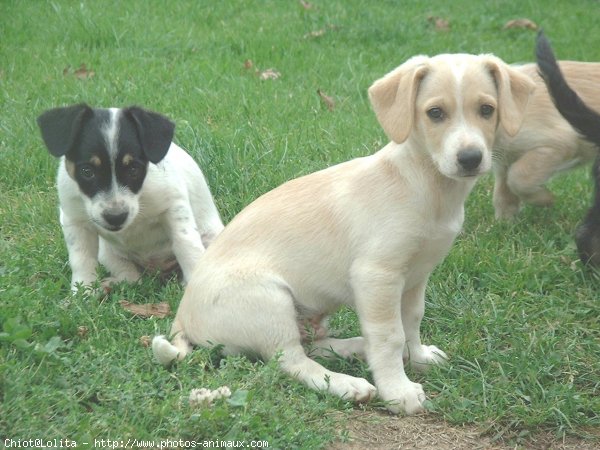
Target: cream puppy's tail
pixel 166 352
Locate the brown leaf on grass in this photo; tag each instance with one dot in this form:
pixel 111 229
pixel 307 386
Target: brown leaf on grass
pixel 145 341
pixel 269 74
pixel 321 32
pixel 326 99
pixel 439 23
pixel 314 34
pixel 520 23
pixel 159 310
pixel 306 5
pixel 83 73
pixel 82 331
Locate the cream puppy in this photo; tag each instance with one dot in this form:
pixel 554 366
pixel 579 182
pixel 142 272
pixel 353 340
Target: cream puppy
pixel 545 145
pixel 365 233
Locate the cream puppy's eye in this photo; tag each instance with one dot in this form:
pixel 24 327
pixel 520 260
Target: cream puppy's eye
pixel 486 111
pixel 436 114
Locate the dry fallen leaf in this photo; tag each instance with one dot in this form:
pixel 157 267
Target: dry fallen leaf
pixel 439 23
pixel 329 101
pixel 314 34
pixel 520 23
pixel 145 341
pixel 83 72
pixel 159 310
pixel 269 74
pixel 82 331
pixel 306 5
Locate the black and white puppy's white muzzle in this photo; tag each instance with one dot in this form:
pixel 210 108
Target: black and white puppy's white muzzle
pixel 129 197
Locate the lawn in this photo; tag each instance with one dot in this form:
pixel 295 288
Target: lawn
pixel 512 305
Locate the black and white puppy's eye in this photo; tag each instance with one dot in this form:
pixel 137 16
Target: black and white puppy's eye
pixel 486 111
pixel 436 114
pixel 86 172
pixel 134 171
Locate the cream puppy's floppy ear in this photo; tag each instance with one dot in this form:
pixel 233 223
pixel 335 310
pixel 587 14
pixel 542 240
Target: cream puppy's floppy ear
pixel 393 97
pixel 514 90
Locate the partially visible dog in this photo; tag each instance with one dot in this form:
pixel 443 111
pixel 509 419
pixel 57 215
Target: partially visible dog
pixel 129 197
pixel 587 122
pixel 545 145
pixel 365 233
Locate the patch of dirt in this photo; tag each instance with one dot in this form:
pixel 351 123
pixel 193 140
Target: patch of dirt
pixel 378 430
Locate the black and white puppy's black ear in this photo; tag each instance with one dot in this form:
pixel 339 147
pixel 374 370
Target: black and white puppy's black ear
pixel 155 132
pixel 60 127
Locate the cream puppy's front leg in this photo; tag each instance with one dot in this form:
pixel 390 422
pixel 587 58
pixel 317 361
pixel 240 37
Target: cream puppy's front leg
pixel 421 357
pixel 378 295
pixel 187 243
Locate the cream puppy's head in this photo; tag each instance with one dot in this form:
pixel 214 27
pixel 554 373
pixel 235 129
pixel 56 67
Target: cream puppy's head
pixel 450 106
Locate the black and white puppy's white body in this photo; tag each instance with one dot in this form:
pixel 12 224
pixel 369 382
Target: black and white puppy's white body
pixel 130 198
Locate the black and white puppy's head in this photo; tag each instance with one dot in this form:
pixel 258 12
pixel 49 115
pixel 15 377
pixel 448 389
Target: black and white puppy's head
pixel 107 152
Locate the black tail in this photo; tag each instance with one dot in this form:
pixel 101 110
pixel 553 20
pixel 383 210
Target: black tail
pixel 569 104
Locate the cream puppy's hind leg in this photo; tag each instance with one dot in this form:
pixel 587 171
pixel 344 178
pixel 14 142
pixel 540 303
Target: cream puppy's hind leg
pixel 259 316
pixel 527 176
pixel 506 203
pixel 346 348
pixel 294 361
pixel 277 334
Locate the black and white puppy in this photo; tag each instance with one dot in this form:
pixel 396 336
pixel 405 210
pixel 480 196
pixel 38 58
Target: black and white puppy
pixel 587 122
pixel 129 197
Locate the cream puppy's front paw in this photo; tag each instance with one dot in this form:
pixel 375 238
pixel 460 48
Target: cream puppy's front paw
pixel 407 398
pixel 351 388
pixel 425 356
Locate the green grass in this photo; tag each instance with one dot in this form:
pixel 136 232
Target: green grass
pixel 511 304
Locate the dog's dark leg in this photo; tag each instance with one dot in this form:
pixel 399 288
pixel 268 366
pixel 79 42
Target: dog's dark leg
pixel 587 236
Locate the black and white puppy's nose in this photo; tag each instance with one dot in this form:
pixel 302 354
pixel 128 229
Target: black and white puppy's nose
pixel 115 220
pixel 469 158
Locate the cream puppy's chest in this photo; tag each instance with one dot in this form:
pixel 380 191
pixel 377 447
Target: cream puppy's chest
pixel 432 248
